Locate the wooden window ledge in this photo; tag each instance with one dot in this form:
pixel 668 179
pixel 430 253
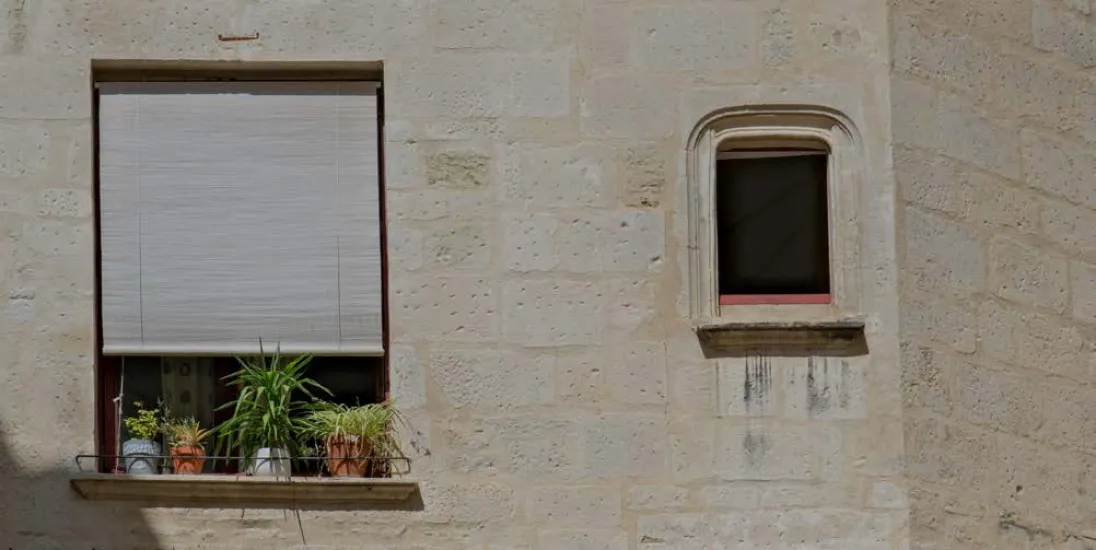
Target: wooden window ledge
pixel 824 335
pixel 235 491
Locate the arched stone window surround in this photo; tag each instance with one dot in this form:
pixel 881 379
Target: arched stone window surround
pixel 775 124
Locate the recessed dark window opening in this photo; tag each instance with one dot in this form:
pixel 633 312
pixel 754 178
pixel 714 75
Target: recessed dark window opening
pixel 773 228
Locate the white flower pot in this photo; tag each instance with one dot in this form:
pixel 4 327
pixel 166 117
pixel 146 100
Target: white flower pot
pixel 270 461
pixel 139 455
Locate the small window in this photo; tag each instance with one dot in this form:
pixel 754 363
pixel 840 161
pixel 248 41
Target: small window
pixel 772 228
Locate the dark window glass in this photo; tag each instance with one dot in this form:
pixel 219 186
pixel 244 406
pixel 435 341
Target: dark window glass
pixel 772 224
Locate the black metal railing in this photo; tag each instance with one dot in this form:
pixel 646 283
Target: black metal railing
pixel 313 466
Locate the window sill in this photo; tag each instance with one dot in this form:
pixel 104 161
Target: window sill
pixel 836 336
pixel 229 491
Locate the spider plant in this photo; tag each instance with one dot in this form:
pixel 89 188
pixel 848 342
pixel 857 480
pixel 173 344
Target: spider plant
pixel 268 413
pixel 357 439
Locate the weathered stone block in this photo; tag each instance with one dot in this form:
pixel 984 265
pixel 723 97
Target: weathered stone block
pixel 1060 168
pixel 996 399
pixel 646 169
pixel 943 321
pixel 1068 34
pixel 63 92
pixel 1028 275
pixel 606 35
pixel 473 502
pixel 458 309
pixel 439 203
pixel 913 101
pixel 459 246
pixel 1083 285
pixel 582 506
pixel 580 377
pixel 766 452
pixel 697 37
pixel 657 497
pixel 885 494
pixel 640 107
pixel 1034 340
pixel 637 374
pixel 994 203
pixel 459 169
pixel 550 312
pixel 492 380
pixel 693 387
pixel 630 240
pixel 540 176
pixel 625 445
pixel 404 247
pixel 630 304
pixel 677 532
pixel 1071 226
pixel 1064 414
pixel 943 254
pixel 404 164
pixel 587 539
pixel 931 181
pixel 926 378
pixel 735 494
pixel 529 242
pixel 807 495
pixel 514 25
pixel 407 379
pixel 58 238
pixel 967 134
pixel 481 85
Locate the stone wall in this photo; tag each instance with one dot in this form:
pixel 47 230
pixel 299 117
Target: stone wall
pixel 993 154
pixel 541 341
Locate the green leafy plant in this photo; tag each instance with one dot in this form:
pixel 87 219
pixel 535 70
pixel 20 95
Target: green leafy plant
pixel 186 432
pixel 267 413
pixel 146 423
pixel 373 424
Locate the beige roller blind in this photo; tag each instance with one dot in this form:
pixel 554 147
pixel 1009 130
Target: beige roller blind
pixel 234 211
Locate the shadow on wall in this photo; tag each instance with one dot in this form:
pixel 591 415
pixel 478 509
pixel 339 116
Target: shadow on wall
pixel 38 509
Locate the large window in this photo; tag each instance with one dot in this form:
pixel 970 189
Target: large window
pixel 232 213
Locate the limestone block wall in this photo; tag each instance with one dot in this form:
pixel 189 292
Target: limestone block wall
pixel 993 154
pixel 541 342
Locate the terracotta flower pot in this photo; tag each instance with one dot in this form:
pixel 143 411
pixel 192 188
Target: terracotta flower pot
pixel 188 460
pixel 345 456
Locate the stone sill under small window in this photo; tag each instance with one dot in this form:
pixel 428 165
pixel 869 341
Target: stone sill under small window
pixel 246 491
pixel 837 335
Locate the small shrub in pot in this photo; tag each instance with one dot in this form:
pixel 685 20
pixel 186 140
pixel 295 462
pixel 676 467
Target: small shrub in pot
pixel 141 452
pixel 187 452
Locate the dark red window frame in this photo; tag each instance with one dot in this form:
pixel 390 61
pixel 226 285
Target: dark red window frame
pixel 821 276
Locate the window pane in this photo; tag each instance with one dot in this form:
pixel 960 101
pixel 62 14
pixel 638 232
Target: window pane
pixel 771 215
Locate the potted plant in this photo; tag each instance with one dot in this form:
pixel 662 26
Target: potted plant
pixel 187 453
pixel 141 453
pixel 357 440
pixel 267 414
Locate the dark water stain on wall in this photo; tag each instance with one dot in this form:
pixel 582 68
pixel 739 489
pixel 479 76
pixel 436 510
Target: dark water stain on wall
pixel 755 446
pixel 827 388
pixel 757 384
pixel 16 27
